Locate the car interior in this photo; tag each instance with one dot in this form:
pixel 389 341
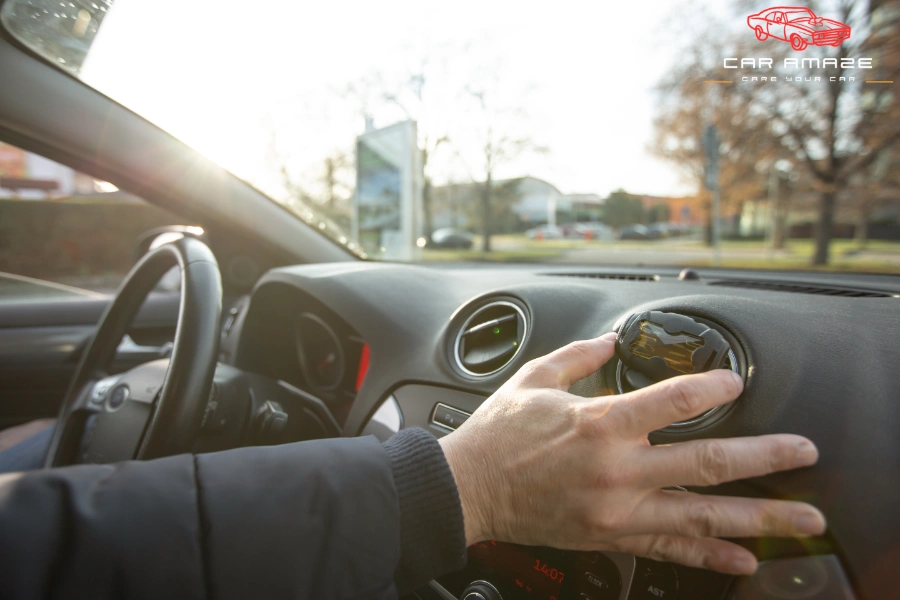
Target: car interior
pixel 302 339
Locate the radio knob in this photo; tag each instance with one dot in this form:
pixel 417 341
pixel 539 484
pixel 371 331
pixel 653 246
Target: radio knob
pixel 480 590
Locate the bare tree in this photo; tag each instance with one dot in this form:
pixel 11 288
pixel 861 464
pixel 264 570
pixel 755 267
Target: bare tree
pixel 821 111
pixel 874 189
pixel 411 99
pixel 497 147
pixel 687 105
pixel 825 123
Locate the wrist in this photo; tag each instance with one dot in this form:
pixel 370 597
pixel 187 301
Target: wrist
pixel 468 487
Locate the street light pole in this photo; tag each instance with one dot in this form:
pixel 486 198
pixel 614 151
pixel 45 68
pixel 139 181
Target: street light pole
pixel 711 181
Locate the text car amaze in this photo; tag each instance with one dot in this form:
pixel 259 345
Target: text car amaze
pixel 798 63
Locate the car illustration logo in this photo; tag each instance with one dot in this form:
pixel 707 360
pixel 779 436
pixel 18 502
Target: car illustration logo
pixel 798 26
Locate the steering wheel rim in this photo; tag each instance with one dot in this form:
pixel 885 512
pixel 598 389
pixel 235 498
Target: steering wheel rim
pixel 179 403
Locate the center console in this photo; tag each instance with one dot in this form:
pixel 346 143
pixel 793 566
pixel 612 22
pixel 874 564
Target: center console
pixel 498 570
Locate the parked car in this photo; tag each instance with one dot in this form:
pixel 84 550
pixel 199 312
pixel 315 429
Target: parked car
pixel 545 232
pixel 679 228
pixel 799 26
pixel 594 231
pixel 634 232
pixel 659 230
pixel 449 237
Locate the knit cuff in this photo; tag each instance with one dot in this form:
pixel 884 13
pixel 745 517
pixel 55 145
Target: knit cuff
pixel 432 532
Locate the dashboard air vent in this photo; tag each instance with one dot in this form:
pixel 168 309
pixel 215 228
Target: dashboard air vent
pixel 821 290
pixel 490 338
pixel 618 276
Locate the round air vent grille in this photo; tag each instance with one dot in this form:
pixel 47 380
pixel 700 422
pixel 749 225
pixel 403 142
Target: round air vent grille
pixel 490 338
pixel 624 385
pixel 628 380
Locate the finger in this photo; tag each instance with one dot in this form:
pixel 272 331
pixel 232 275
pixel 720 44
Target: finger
pixel 676 399
pixel 705 553
pixel 710 462
pixel 698 515
pixel 563 367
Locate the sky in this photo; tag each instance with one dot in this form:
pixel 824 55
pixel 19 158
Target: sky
pixel 258 85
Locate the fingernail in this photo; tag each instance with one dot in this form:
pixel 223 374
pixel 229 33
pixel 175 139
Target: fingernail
pixel 809 524
pixel 743 565
pixel 611 336
pixel 807 453
pixel 737 378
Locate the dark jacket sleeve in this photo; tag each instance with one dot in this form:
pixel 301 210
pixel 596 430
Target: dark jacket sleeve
pixel 343 518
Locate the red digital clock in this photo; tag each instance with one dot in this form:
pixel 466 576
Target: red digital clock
pixel 552 573
pixel 536 573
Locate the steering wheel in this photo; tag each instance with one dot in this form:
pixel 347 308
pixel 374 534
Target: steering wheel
pixel 157 408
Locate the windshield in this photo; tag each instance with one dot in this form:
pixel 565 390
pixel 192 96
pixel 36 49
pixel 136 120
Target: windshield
pixel 693 135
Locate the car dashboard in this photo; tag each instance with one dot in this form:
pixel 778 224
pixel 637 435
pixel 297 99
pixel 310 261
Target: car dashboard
pixel 387 346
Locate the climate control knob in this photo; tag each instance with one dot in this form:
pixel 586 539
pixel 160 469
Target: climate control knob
pixel 480 590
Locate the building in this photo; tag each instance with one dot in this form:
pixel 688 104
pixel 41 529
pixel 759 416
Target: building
pixel 576 208
pixel 688 210
pixel 27 176
pixel 519 203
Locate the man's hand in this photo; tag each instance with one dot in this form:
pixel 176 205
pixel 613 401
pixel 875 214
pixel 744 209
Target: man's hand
pixel 536 465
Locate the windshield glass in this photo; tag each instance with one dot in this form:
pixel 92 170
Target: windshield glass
pixel 698 133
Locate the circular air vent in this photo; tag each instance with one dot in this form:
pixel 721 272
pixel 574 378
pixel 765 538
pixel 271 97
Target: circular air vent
pixel 490 338
pixel 628 380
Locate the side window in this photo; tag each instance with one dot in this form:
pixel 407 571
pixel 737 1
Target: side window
pixel 62 229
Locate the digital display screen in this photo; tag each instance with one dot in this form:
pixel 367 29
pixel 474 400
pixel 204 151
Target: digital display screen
pixel 526 572
pixel 522 569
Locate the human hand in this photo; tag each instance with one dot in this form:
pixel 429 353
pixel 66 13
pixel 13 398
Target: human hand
pixel 536 465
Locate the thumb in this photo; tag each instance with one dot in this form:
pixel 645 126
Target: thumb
pixel 561 368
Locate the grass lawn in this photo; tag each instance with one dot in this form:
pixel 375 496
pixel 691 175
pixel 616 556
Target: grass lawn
pixel 877 257
pixel 525 255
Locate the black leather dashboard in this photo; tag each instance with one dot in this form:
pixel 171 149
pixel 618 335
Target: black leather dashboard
pixel 821 361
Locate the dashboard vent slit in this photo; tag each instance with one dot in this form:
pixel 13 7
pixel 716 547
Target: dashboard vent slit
pixel 489 324
pixel 820 290
pixel 616 276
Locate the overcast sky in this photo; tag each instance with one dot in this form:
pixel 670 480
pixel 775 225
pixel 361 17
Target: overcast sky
pixel 253 85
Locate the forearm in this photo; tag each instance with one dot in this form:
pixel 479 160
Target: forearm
pixel 330 518
pixel 127 530
pixel 315 519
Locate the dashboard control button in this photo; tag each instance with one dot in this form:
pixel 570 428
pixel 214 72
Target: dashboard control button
pixel 655 586
pixel 598 588
pixel 447 416
pixel 269 422
pixel 480 590
pixel 597 582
